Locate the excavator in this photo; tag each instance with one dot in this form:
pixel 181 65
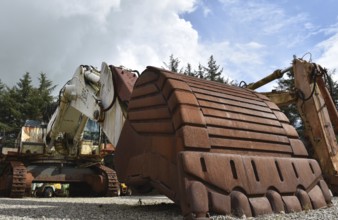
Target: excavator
pixel 68 149
pixel 209 147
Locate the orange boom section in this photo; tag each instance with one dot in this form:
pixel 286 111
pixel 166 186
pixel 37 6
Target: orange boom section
pixel 215 148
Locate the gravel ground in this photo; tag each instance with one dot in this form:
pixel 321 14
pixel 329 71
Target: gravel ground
pixel 133 207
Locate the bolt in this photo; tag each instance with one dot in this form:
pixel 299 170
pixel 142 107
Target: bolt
pixel 96 114
pixel 317 139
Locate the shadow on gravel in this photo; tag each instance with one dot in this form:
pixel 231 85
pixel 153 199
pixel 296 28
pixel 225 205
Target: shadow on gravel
pixel 33 209
pixel 107 208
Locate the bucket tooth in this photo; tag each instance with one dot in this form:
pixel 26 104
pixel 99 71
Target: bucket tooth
pixel 276 201
pixel 215 148
pixel 292 204
pixel 304 199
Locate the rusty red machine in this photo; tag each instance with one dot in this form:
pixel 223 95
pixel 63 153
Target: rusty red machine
pixel 210 147
pixel 215 148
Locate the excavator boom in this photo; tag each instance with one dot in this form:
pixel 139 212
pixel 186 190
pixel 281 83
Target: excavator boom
pixel 318 112
pixel 313 105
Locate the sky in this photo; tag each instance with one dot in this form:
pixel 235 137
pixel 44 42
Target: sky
pixel 248 39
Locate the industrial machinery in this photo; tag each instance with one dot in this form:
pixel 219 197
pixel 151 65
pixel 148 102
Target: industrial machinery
pixel 317 110
pixel 209 147
pixel 215 148
pixel 68 150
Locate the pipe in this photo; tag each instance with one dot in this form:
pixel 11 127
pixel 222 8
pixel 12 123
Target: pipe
pixel 275 75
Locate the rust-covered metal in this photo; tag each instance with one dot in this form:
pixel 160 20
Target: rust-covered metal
pixel 318 112
pixel 273 76
pixel 13 182
pixel 20 171
pixel 319 116
pixel 124 82
pixel 214 148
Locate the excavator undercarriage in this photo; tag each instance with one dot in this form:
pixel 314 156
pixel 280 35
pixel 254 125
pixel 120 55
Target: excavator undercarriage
pixel 19 172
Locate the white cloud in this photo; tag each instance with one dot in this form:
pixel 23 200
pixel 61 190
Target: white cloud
pixel 58 35
pixel 229 1
pixel 263 36
pixel 267 17
pixel 98 10
pixel 329 50
pixel 239 61
pixel 206 11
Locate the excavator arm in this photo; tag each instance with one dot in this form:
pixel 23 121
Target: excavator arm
pixel 89 94
pixel 77 103
pixel 318 112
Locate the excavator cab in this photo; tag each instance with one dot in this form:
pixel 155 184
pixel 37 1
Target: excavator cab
pixel 30 139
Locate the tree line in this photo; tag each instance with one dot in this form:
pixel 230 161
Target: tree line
pixel 211 71
pixel 25 101
pixel 22 102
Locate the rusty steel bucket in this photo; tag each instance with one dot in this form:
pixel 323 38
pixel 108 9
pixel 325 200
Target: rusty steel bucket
pixel 215 148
